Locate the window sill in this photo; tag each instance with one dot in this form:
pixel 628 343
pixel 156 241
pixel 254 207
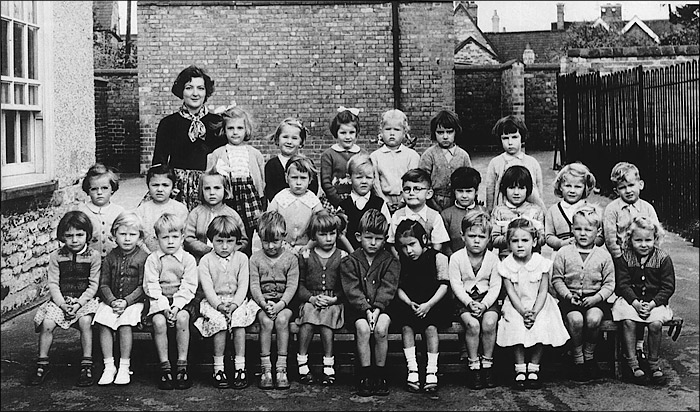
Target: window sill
pixel 27 186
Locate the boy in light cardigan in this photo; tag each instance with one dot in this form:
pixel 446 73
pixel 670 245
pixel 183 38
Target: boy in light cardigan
pixel 170 282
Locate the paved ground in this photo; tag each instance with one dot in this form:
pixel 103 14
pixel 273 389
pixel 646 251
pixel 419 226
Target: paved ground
pixel 680 362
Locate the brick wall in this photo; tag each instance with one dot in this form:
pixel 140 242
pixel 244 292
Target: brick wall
pixel 541 106
pixel 612 59
pixel 478 104
pixel 119 140
pixel 298 59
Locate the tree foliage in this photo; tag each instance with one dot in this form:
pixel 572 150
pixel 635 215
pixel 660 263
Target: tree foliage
pixel 586 36
pixel 685 23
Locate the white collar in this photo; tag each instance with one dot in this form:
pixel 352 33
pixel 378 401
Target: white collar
pixel 634 205
pixel 423 213
pixel 179 255
pixel 451 150
pixel 470 207
pixel 386 149
pixel 96 209
pixel 355 196
pixel 354 149
pixel 509 158
pixel 512 206
pixel 285 198
pixel 572 206
pixel 513 266
pixel 283 159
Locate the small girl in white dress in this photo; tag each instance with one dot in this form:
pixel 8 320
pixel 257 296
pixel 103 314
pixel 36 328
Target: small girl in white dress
pixel 531 317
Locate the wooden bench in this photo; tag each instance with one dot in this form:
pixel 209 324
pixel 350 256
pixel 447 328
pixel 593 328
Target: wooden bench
pixel 450 357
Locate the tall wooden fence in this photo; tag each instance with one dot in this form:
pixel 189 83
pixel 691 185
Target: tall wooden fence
pixel 646 117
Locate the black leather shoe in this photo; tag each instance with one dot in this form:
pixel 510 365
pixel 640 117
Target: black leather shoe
pixel 39 375
pixel 240 379
pixel 487 378
pixel 364 388
pixel 381 388
pixel 166 381
pixel 86 378
pixel 519 384
pixel 474 379
pixel 221 380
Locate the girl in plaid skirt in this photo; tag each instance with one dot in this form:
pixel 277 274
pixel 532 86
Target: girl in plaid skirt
pixel 243 166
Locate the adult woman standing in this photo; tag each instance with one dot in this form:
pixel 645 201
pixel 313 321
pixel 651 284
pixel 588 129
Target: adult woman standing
pixel 185 138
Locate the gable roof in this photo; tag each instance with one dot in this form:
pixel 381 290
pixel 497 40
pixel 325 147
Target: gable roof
pixel 469 30
pixel 510 45
pixel 637 21
pixel 471 48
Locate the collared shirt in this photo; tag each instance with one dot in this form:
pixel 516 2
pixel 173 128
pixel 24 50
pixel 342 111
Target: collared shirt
pixel 283 160
pixel 571 208
pixel 360 201
pixel 389 166
pixel 449 153
pixel 102 219
pixel 494 173
pixel 428 217
pixel 170 276
pixel 353 149
pixel 616 219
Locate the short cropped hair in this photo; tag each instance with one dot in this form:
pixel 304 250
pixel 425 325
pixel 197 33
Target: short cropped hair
pixel 477 218
pixel 589 214
pixel 237 113
pixel 646 223
pixel 292 122
pixel 510 124
pixel 412 228
pixel 161 170
pixel 186 76
pixel 324 222
pixel 621 171
pixel 98 170
pixel 228 192
pixel 417 175
pixel 168 222
pixel 360 162
pixel 577 169
pixel 465 177
pixel 395 114
pixel 74 219
pixel 128 219
pixel 524 224
pixel 224 226
pixel 272 226
pixel 447 119
pixel 303 165
pixel 373 221
pixel 344 117
pixel 516 175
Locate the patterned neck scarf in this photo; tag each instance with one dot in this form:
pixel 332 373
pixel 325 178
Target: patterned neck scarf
pixel 197 129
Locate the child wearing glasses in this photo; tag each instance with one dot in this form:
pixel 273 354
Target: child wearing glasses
pixel 417 190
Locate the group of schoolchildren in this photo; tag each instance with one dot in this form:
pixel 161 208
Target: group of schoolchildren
pixel 394 239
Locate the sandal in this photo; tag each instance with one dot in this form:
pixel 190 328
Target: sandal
pixel 328 380
pixel 533 381
pixel 657 377
pixel 305 378
pixel 412 382
pixel 39 375
pixel 520 383
pixel 430 387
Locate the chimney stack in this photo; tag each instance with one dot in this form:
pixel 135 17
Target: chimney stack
pixel 611 13
pixel 496 22
pixel 560 16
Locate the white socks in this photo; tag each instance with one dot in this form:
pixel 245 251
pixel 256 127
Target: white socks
pixel 239 363
pixel 410 354
pixel 218 364
pixel 302 361
pixel 328 363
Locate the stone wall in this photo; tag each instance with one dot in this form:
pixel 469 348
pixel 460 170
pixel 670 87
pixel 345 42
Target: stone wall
pixel 30 215
pixel 541 106
pixel 303 59
pixel 613 59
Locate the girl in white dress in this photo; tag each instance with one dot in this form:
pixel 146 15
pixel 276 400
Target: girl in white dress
pixel 531 317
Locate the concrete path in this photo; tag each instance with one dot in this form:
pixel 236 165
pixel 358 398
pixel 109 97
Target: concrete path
pixel 679 360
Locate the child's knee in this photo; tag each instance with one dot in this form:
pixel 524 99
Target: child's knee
pixel 362 330
pixel 489 323
pixel 47 326
pixel 183 319
pixel 655 327
pixel 471 325
pixel 160 325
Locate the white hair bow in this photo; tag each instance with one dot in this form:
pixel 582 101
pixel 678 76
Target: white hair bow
pixel 352 110
pixel 221 109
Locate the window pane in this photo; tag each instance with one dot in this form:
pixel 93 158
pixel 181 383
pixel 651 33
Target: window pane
pixel 5 93
pixel 24 135
pixel 19 94
pixel 32 56
pixel 19 55
pixel 33 94
pixel 5 7
pixel 5 40
pixel 9 137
